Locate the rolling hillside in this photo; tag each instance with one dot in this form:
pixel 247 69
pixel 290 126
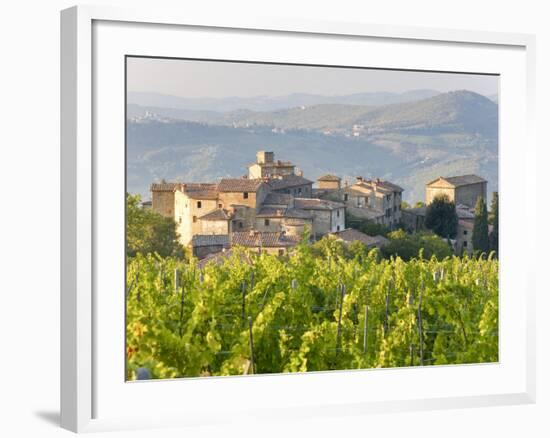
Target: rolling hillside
pixel 410 142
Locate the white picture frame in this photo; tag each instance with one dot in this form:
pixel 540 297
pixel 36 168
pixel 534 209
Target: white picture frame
pixel 87 403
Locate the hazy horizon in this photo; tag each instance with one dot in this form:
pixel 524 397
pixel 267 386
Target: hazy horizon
pixel 223 79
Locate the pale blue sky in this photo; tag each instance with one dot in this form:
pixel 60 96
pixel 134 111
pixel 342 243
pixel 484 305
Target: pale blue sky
pixel 223 79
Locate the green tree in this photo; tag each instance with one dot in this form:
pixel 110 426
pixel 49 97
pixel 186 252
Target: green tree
pixel 405 205
pixel 149 232
pixel 408 246
pixel 480 235
pixel 493 219
pixel 419 204
pixel 366 226
pixel 441 217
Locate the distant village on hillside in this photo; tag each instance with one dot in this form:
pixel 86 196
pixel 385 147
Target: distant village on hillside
pixel 269 209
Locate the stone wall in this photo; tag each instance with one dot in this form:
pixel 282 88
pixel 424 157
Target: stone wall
pixel 464 240
pixel 275 224
pixel 328 185
pixel 163 203
pixel 214 227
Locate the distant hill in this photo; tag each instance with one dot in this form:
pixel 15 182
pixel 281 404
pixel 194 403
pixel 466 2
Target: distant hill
pixel 271 103
pixel 409 143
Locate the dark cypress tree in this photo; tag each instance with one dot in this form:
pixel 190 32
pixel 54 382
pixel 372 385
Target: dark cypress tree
pixel 493 236
pixel 441 217
pixel 480 236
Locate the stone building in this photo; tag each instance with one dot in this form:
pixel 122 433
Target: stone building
pixel 276 203
pixel 266 166
pixel 463 240
pixel 376 200
pixel 463 189
pixel 244 197
pixel 329 182
pixel 327 216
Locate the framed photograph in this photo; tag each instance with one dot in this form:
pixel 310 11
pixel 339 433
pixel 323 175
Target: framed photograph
pixel 314 216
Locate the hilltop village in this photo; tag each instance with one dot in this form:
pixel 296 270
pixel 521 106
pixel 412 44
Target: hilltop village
pixel 269 209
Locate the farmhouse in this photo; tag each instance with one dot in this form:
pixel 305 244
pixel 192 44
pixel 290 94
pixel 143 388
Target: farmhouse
pixel 375 200
pixel 463 189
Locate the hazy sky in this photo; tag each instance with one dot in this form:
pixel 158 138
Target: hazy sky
pixel 186 78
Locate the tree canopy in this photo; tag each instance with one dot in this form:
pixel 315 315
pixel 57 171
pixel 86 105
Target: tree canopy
pixel 493 218
pixel 149 232
pixel 408 246
pixel 441 217
pixel 480 235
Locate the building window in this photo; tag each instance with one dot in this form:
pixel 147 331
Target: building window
pixel 337 227
pixel 245 195
pixel 266 222
pixel 219 205
pixel 199 204
pixel 299 190
pixel 194 219
pixel 180 219
pixel 281 252
pixel 345 197
pixel 240 224
pixel 465 232
pixel 465 244
pixel 337 213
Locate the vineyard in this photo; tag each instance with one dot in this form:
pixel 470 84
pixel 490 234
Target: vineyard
pixel 322 308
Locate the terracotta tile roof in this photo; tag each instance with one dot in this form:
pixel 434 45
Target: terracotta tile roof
pixel 379 184
pixel 219 214
pixel 239 184
pixel 210 240
pixel 316 204
pixel 283 213
pixel 352 235
pixel 297 214
pixel 457 181
pixel 329 177
pixel 200 190
pixel 256 239
pixel 278 199
pixel 271 212
pixel 288 181
pixel 193 190
pixel 365 213
pixel 165 187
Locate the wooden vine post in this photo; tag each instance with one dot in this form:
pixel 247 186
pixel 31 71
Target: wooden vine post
pixel 420 331
pixel 339 331
pixel 366 329
pixel 251 345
